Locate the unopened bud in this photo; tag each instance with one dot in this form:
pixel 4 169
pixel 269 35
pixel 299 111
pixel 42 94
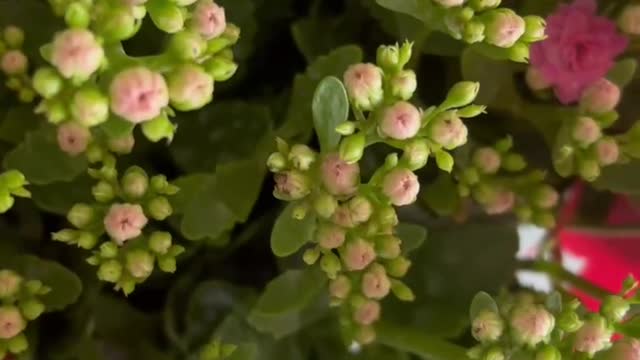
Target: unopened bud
pixel 159 208
pixel 291 185
pixel 607 151
pixel 301 157
pixel 375 283
pixel 473 32
pixel 364 85
pixel 135 182
pixel 400 121
pixel 86 240
pixel 160 242
pixel 330 264
pixel 388 247
pixel 47 82
pixel 589 169
pixel 480 5
pixel 401 186
pixel 9 283
pixel 276 162
pixel 398 267
pixel 534 28
pixel 531 324
pixel 388 57
pixel 416 154
pixel 360 208
pixel 13 36
pixel 358 254
pixel 311 256
pixel 601 97
pixel 404 84
pixel 325 205
pixel 352 148
pixel 504 27
pixel 190 87
pixel 402 291
pixel 461 94
pixel 346 128
pixel 340 287
pixel 11 322
pixel 365 335
pixel 593 336
pixel 166 16
pixel 487 160
pixel 103 191
pixel 159 128
pixel 220 68
pixel 514 162
pixel 448 130
pixel 548 352
pixel 80 215
pixel 367 313
pixel 487 327
pixel 187 45
pixel 330 236
pixel 90 107
pixel 569 321
pixel 110 271
pixel 546 197
pixel 140 263
pixel 339 177
pixel 31 309
pixel 629 20
pixel 14 62
pixel 615 308
pixel 122 145
pixel 586 131
pixel 449 3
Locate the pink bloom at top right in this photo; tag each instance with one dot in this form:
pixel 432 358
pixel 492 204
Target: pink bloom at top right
pixel 580 48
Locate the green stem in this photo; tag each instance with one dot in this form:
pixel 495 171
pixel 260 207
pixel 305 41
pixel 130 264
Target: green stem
pixel 418 343
pixel 561 275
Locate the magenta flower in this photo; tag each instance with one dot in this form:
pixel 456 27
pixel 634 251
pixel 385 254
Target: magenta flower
pixel 580 48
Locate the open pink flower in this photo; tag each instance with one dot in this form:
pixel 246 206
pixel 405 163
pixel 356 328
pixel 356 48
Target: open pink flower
pixel 210 19
pixel 76 53
pixel 138 94
pixel 580 48
pixel 124 222
pixel 73 138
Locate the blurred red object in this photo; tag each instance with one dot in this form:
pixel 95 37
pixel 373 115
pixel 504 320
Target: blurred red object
pixel 605 260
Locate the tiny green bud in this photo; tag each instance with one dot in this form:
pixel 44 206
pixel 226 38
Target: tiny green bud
pixel 276 162
pixel 291 185
pixel 90 107
pixel 117 24
pixel 81 215
pixel 340 287
pixel 135 182
pixel 31 309
pixel 310 256
pixel 398 267
pixel 402 291
pixel 325 205
pixel 167 264
pixel 514 162
pixel 77 15
pixel 301 157
pixel 9 283
pixel 473 32
pixel 479 5
pixel 404 84
pixel 388 247
pixel 589 169
pixel 330 264
pixel 416 154
pixel 109 250
pixel 140 263
pixel 187 45
pixel 352 148
pixel 86 240
pixel 6 201
pixel 47 82
pixel 388 57
pixel 103 191
pixel 461 94
pixel 220 68
pixel 13 36
pixel 569 321
pixel 159 208
pixel 159 128
pixel 18 344
pixel 160 242
pixel 534 28
pixel 166 16
pixel 519 52
pixel 110 271
pixel 487 327
pixel 615 308
pixel 56 112
pixel 548 352
pixel 66 236
pixel 346 128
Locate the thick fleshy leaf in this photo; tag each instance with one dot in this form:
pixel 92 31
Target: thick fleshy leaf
pixel 330 108
pixel 17 122
pixel 441 195
pixel 117 128
pixel 59 197
pixel 412 236
pixel 40 159
pixel 622 73
pixel 620 178
pixel 494 76
pixel 289 234
pixel 482 302
pixel 290 302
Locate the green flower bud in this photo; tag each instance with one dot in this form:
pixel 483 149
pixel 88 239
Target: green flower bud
pixel 404 84
pixel 473 32
pixel 47 82
pixel 548 352
pixel 398 267
pixel 56 112
pixel 90 107
pixel 9 283
pixel 340 287
pixel 479 5
pixel 325 205
pixel 449 3
pixel 103 191
pixel 487 327
pixel 12 179
pixel 615 308
pixel 594 336
pixel 81 215
pixel 77 15
pixel 387 216
pixel 365 335
pixel 402 291
pixel 310 256
pixel 13 36
pixel 276 162
pixel 221 69
pixel 514 162
pixel 110 271
pixel 534 28
pixel 388 57
pixel 589 169
pixel 159 208
pixel 135 182
pixel 31 309
pixel 167 264
pixel 487 160
pixel 416 154
pixel 86 240
pixel 117 24
pixel 301 157
pixel 330 264
pixel 531 324
pixel 569 321
pixel 187 45
pixel 140 264
pixel 66 236
pixel 461 94
pixel 6 201
pixel 352 148
pixel 160 242
pixel 388 247
pixel 166 16
pixel 495 353
pixel 504 27
pixel 159 128
pixel 190 87
pixel 291 185
pixel 109 250
pixel 519 52
pixel 346 128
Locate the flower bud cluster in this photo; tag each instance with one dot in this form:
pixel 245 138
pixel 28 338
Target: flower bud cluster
pixel 19 303
pixel 143 90
pixel 355 241
pixel 544 327
pixel 481 21
pixel 497 179
pixel 12 184
pixel 14 64
pixel 123 210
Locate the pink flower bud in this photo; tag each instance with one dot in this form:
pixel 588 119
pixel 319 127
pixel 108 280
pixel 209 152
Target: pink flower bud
pixel 340 287
pixel 9 283
pixel 535 80
pixel 546 197
pixel 190 87
pixel 487 326
pixel 358 254
pixel 14 62
pixel 11 322
pixel 375 283
pixel 209 19
pixel 73 138
pixel 364 85
pixel 291 185
pixel 500 203
pixel 360 208
pixel 367 313
pixel 503 27
pixel 531 324
pixel 602 96
pixel 330 236
pixel 449 131
pixel 586 131
pixel 404 84
pixel 338 177
pixel 629 20
pixel 401 186
pixel 627 349
pixel 342 216
pixel 593 336
pixel 76 53
pixel 487 160
pixel 400 121
pixel 608 151
pixel 138 94
pixel 365 335
pixel 124 222
pixel 122 145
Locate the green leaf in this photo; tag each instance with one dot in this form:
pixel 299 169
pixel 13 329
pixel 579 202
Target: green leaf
pixel 419 9
pixel 442 195
pixel 622 73
pixel 290 302
pixel 415 341
pixel 17 122
pixel 554 302
pixel 330 108
pixel 59 197
pixel 65 285
pixel 482 302
pixel 245 352
pixel 289 234
pixel 224 132
pixel 493 75
pixel 298 125
pixel 620 178
pixel 40 159
pixel 438 43
pixel 412 236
